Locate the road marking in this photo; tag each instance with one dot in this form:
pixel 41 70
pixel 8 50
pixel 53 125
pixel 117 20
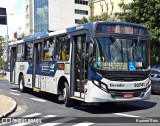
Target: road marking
pixel 14 93
pixel 0 90
pixel 84 124
pixel 2 84
pixel 38 99
pixel 13 90
pixel 50 116
pixel 54 123
pixel 32 115
pixel 126 115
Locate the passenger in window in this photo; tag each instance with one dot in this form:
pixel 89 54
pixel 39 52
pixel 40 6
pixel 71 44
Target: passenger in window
pixel 64 52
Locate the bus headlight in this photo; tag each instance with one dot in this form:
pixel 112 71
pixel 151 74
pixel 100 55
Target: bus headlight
pixel 96 82
pixel 103 86
pixel 100 85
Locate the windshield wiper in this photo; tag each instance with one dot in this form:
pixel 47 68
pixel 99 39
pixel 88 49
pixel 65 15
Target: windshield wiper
pixel 115 43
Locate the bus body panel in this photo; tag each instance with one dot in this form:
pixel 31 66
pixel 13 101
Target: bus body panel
pixel 102 96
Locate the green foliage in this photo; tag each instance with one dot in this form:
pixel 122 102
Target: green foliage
pixel 2 64
pixel 1 51
pixel 147 13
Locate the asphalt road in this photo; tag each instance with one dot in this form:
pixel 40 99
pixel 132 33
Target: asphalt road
pixel 45 106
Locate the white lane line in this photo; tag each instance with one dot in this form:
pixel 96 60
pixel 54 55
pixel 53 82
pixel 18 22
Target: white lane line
pixel 54 123
pixel 85 123
pixel 50 116
pixel 127 115
pixel 14 93
pixel 2 84
pixel 38 99
pixel 32 115
pixel 0 90
pixel 13 90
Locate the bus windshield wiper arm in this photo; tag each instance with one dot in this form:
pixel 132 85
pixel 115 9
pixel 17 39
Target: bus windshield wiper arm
pixel 115 43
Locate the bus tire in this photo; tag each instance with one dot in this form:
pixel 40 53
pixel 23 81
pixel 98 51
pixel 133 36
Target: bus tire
pixel 21 84
pixel 67 100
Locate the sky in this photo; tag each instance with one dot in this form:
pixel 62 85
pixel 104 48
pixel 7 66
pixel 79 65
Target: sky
pixel 16 16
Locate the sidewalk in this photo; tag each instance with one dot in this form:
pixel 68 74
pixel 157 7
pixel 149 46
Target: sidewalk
pixel 7 106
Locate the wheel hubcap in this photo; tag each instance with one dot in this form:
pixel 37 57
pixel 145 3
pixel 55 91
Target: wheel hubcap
pixel 64 92
pixel 21 85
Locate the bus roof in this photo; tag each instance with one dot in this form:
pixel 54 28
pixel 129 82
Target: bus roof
pixel 90 26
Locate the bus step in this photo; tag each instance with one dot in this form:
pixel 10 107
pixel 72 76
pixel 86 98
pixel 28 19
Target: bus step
pixel 77 98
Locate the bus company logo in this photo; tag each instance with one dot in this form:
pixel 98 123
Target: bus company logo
pixel 116 85
pixel 52 66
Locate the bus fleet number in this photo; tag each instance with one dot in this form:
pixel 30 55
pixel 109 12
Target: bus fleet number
pixel 139 85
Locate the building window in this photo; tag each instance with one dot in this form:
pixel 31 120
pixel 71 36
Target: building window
pixel 27 16
pixel 28 51
pixel 83 12
pixel 41 21
pixel 83 2
pixel 27 25
pixel 48 49
pixel 63 48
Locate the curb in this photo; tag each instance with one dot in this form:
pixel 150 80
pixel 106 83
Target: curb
pixel 14 106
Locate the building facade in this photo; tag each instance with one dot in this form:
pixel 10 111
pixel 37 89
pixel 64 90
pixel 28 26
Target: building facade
pixel 108 6
pixel 28 17
pixel 54 14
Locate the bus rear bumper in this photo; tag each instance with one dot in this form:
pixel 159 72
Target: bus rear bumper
pixel 98 95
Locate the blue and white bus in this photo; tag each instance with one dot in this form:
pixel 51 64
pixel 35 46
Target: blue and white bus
pixel 93 62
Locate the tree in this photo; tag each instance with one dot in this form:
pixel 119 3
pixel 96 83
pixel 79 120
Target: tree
pixel 91 6
pixel 1 50
pixel 145 12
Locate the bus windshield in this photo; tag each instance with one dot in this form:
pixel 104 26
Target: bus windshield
pixel 116 54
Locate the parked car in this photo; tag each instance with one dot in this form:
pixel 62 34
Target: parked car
pixel 155 79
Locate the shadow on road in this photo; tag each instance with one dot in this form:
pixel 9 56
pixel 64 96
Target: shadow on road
pixel 110 107
pixel 43 95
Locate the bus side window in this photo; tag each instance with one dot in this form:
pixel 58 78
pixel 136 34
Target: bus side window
pixel 48 49
pixel 63 48
pixel 20 52
pixel 28 51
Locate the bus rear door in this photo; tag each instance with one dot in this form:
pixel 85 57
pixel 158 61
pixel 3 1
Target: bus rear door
pixel 37 57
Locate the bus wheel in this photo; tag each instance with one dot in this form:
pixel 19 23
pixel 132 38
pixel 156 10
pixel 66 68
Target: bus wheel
pixel 21 84
pixel 65 93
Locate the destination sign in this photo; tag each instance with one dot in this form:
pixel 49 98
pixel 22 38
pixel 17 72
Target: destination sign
pixel 121 28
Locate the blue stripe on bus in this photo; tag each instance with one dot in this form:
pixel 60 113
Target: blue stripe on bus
pixel 46 68
pixel 94 75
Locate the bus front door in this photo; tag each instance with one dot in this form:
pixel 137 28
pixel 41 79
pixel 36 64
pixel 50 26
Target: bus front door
pixel 80 65
pixel 37 57
pixel 12 64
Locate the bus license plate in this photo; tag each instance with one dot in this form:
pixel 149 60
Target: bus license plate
pixel 130 95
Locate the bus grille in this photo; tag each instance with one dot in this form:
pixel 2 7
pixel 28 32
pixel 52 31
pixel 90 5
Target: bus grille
pixel 120 93
pixel 125 77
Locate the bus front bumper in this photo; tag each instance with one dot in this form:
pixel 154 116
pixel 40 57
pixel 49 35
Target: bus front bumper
pixel 95 94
